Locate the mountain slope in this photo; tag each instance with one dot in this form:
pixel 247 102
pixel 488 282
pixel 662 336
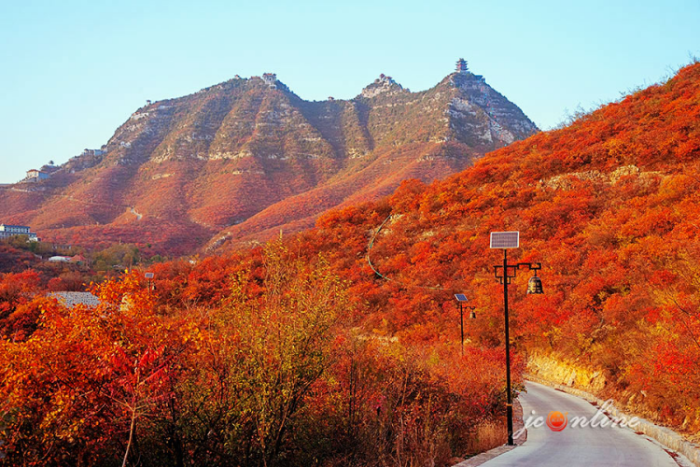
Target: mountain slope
pixel 247 157
pixel 608 205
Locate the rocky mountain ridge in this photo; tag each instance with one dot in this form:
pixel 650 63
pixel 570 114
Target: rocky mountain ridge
pixel 241 159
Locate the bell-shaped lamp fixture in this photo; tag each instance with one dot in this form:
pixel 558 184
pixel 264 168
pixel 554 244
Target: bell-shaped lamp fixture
pixel 534 285
pixel 472 315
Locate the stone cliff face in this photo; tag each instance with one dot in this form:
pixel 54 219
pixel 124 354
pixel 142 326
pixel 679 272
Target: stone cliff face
pixel 244 158
pixel 480 114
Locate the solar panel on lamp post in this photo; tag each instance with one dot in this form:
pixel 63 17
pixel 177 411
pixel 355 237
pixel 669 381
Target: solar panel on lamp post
pixel 461 299
pixel 505 241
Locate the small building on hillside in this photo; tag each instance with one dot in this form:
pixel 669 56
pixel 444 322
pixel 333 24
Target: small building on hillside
pixel 71 299
pixel 7 231
pixel 49 169
pixel 35 175
pixel 60 259
pixel 94 152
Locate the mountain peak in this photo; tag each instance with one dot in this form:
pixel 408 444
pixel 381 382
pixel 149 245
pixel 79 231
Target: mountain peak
pixel 460 78
pixel 381 85
pixel 463 76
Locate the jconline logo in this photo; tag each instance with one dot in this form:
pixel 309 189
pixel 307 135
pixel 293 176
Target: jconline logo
pixel 557 421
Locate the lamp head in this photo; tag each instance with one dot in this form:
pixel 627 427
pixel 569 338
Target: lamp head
pixel 534 285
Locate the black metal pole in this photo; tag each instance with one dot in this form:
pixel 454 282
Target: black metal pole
pixel 509 404
pixel 461 325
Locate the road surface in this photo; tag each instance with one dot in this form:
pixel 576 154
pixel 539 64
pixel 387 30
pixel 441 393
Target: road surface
pixel 576 446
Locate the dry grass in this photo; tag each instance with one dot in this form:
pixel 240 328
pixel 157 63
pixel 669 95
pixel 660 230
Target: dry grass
pixel 487 436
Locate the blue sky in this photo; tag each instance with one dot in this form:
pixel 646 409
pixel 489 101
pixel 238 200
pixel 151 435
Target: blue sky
pixel 73 71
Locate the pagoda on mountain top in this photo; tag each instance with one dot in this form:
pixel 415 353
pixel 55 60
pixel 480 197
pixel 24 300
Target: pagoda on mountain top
pixel 461 66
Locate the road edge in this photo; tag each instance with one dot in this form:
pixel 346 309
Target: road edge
pixel 666 437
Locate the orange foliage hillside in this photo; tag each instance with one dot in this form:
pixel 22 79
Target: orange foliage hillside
pixel 608 205
pixel 298 353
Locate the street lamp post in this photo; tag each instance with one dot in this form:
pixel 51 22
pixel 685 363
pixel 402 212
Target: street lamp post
pixel 461 299
pixel 505 241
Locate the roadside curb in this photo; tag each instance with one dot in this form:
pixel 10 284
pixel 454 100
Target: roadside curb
pixel 664 436
pixel 518 423
pixel 485 456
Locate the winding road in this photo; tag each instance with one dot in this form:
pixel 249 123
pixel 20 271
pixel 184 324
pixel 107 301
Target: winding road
pixel 576 446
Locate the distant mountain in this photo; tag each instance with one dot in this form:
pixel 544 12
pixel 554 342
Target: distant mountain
pixel 242 159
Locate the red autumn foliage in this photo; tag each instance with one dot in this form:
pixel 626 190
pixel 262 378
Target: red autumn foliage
pixel 607 205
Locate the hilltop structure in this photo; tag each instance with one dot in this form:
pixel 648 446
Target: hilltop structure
pixel 462 66
pixel 97 152
pixel 270 79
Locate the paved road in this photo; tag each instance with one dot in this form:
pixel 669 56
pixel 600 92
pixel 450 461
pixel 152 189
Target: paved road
pixel 574 447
